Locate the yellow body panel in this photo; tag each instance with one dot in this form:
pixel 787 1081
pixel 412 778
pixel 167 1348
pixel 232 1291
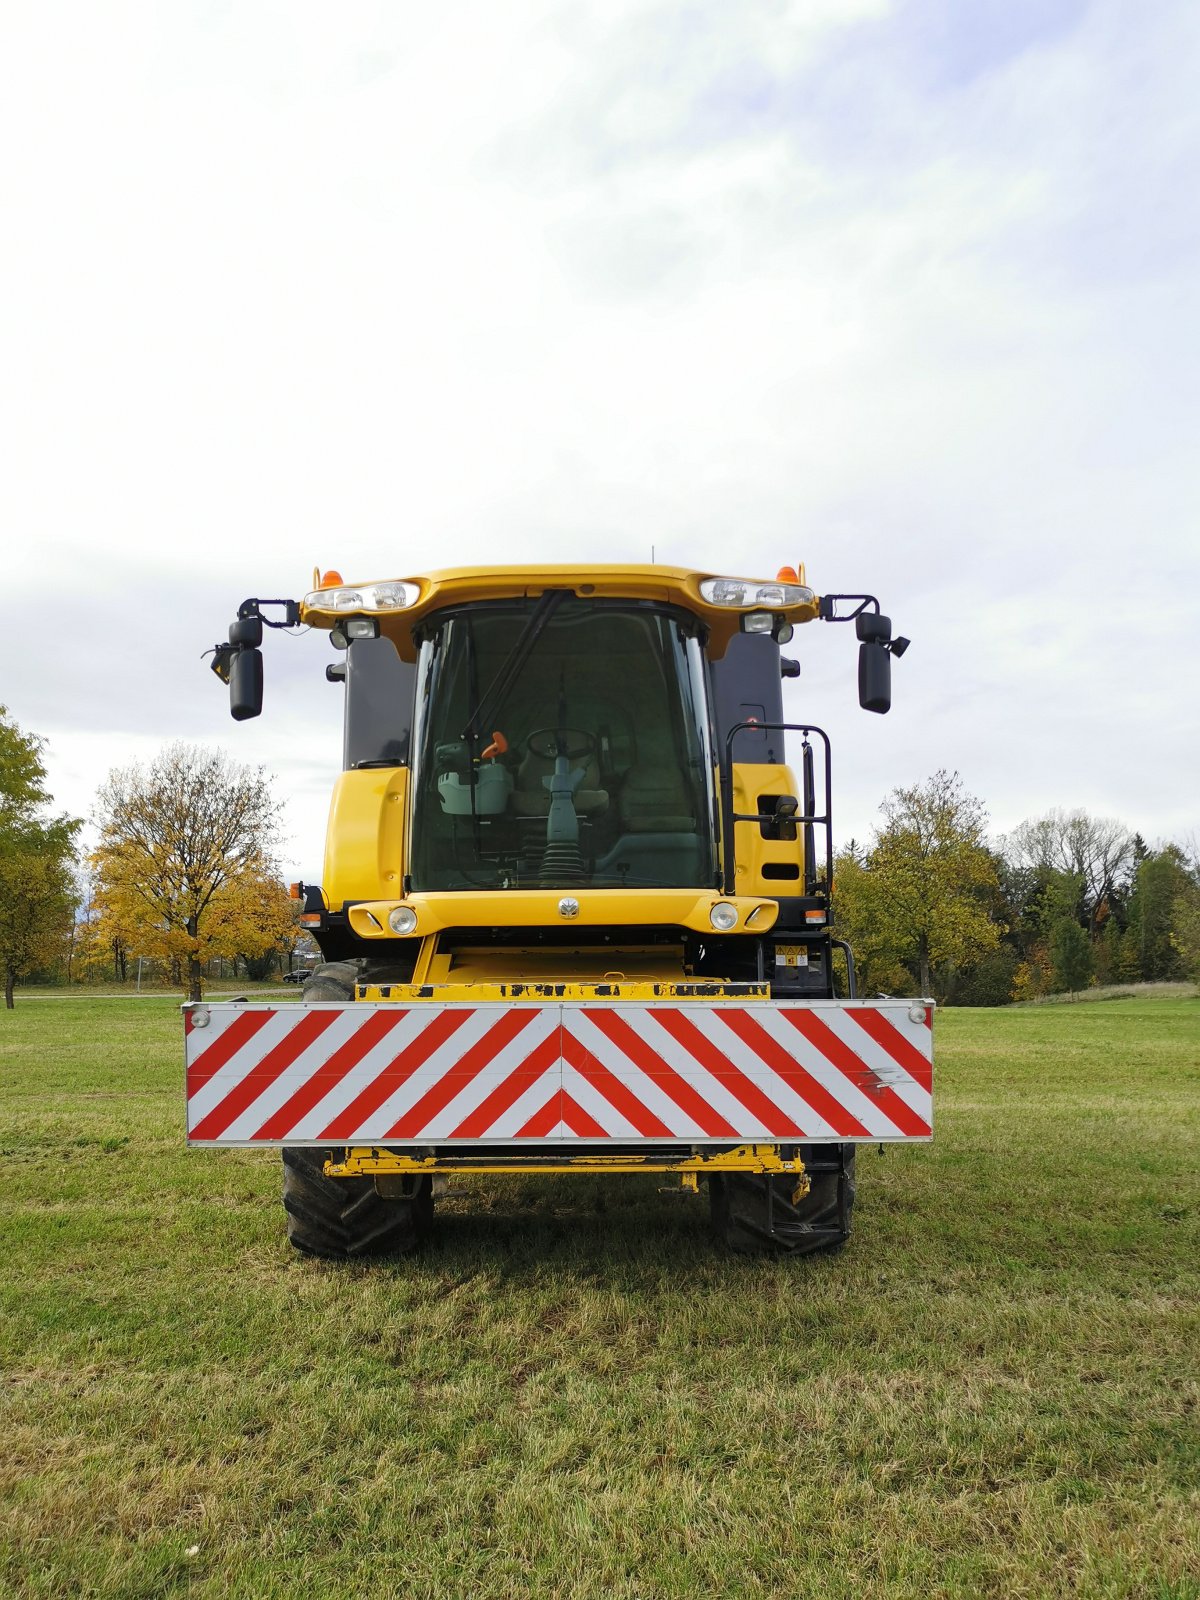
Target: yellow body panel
pixel 753 852
pixel 364 846
pixel 478 991
pixel 460 585
pixel 526 908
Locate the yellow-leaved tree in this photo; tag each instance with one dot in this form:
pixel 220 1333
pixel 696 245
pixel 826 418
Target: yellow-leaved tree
pixel 185 868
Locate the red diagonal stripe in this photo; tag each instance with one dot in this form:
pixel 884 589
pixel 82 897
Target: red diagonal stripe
pixel 226 1045
pixel 580 1122
pixel 439 1095
pixel 785 1066
pixel 545 1121
pixel 841 1056
pixel 614 1091
pixel 902 1051
pixel 377 1025
pixel 441 1025
pixel 277 1060
pixel 693 1104
pixel 702 1049
pixel 507 1093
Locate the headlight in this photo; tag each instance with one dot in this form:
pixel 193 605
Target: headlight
pixel 402 919
pixel 758 622
pixel 742 594
pixel 393 596
pixel 723 916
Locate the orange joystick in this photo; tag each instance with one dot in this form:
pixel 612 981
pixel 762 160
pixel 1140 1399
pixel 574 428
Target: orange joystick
pixel 497 747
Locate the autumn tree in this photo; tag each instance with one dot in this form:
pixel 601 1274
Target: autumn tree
pixel 36 856
pixel 185 869
pixel 928 883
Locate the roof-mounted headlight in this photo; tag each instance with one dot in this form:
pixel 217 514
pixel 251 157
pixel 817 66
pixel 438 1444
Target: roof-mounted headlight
pixel 746 594
pixel 391 596
pixel 758 622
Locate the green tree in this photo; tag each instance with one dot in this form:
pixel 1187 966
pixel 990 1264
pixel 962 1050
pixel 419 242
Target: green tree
pixel 926 891
pixel 37 853
pixel 185 870
pixel 1071 957
pixel 1161 888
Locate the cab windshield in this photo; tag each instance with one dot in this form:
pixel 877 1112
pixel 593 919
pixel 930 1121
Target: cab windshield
pixel 594 767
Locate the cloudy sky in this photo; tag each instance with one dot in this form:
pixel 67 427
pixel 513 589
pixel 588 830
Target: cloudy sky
pixel 907 291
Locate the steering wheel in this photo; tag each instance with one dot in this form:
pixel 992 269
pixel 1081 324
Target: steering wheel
pixel 545 742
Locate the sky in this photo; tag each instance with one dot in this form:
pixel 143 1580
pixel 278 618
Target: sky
pixel 906 290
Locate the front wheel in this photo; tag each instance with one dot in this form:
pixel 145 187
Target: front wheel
pixel 344 1218
pixel 759 1214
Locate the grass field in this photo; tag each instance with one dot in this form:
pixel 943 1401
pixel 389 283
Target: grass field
pixel 993 1391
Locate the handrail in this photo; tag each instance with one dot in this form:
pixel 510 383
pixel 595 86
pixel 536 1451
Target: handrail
pixel 730 818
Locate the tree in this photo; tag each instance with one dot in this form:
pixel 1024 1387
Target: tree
pixel 1070 955
pixel 929 882
pixel 1094 851
pixel 1162 886
pixel 36 902
pixel 36 856
pixel 185 870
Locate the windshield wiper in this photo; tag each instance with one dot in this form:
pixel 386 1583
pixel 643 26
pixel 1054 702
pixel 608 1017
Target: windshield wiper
pixel 489 707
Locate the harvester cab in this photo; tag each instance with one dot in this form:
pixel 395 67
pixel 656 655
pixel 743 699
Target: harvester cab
pixel 575 910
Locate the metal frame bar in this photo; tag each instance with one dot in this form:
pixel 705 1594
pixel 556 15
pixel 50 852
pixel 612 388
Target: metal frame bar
pixel 730 818
pixel 373 1162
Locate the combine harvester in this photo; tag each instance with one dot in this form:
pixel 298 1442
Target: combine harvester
pixel 574 917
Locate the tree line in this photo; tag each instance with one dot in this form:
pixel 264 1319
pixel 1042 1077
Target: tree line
pixel 1064 901
pixel 184 874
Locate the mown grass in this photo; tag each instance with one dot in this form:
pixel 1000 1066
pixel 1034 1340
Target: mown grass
pixel 993 1391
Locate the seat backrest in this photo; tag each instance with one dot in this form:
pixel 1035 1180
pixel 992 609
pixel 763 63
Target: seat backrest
pixel 654 799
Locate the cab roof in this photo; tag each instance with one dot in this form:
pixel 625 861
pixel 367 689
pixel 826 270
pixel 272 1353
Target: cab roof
pixel 400 603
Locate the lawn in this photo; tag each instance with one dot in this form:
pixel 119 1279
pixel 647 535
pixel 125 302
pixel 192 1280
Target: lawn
pixel 993 1391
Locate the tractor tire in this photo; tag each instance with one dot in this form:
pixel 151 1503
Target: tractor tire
pixel 344 1218
pixel 754 1213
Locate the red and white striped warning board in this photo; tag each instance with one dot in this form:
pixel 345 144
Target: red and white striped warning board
pixel 399 1075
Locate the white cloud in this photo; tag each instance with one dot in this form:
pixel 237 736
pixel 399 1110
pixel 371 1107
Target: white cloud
pixel 401 288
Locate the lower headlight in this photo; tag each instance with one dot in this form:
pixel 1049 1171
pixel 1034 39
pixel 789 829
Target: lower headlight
pixel 723 916
pixel 402 919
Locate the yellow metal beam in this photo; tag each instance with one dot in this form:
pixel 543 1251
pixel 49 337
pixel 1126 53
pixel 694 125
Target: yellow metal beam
pixel 370 1162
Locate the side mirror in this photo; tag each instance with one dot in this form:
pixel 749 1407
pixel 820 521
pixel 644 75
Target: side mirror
pixel 246 684
pixel 786 807
pixel 874 676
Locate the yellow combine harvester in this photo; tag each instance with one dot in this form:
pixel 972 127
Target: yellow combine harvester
pixel 573 912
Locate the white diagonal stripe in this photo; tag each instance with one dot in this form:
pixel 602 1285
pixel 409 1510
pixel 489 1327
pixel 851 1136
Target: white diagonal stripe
pixel 681 1060
pixel 242 1062
pixel 751 1066
pixel 436 1066
pixel 506 1060
pixel 309 1062
pixel 594 1103
pixel 884 1066
pixel 794 1043
pixel 643 1088
pixel 529 1101
pixel 340 1094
